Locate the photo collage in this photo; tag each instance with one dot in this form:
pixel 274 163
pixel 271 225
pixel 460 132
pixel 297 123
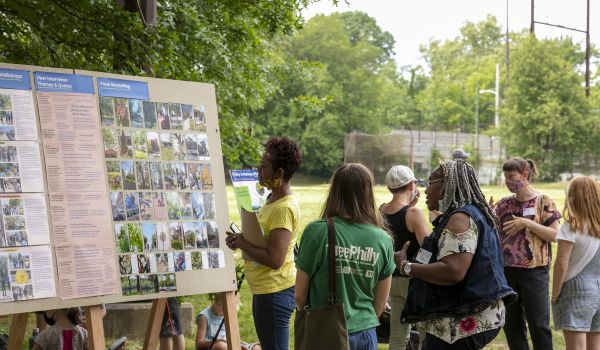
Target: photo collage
pixel 15 277
pixel 13 228
pixel 10 181
pixel 7 123
pixel 160 181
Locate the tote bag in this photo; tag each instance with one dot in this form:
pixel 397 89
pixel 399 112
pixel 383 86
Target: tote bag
pixel 323 328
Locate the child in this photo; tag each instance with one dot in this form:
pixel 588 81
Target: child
pixel 64 332
pixel 208 322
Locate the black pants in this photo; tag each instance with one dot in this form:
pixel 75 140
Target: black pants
pixel 474 342
pixel 532 305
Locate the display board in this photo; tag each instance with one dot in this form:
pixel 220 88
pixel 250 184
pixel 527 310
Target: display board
pixel 112 189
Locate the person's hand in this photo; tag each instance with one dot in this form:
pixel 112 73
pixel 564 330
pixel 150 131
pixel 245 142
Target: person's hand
pixel 233 240
pixel 416 199
pixel 400 256
pixel 514 226
pixel 554 300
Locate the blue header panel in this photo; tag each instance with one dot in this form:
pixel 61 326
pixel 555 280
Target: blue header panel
pixel 59 82
pixel 14 79
pixel 243 175
pixel 123 88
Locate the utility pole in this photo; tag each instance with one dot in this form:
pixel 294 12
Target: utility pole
pixel 497 95
pixel 587 52
pixel 477 118
pixel 506 39
pixel 532 26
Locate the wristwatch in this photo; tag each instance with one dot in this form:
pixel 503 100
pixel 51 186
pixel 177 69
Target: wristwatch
pixel 406 268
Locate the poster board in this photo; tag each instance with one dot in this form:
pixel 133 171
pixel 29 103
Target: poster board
pixel 58 195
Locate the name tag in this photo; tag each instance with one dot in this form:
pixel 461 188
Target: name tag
pixel 529 211
pixel 423 256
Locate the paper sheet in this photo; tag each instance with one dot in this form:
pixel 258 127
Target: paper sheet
pixel 251 231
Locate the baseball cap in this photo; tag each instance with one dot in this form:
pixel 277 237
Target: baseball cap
pixel 398 176
pixel 460 153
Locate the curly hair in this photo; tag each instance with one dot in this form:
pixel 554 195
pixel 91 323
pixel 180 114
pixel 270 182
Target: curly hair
pixel 285 154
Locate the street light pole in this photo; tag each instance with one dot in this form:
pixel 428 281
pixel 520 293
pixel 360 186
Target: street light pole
pixel 477 118
pixel 497 95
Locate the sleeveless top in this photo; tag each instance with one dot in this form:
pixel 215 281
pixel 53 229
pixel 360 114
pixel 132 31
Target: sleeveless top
pixel 213 321
pixel 397 224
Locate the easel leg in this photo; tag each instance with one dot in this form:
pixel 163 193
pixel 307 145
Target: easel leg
pixel 156 315
pixel 231 321
pixel 16 334
pixel 95 327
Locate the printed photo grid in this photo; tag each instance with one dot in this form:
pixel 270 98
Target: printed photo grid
pixel 160 181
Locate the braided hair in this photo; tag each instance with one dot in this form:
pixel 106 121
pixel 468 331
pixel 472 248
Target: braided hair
pixel 461 187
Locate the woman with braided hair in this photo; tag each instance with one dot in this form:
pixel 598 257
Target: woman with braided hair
pixel 458 289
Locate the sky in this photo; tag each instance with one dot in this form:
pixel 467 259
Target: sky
pixel 414 23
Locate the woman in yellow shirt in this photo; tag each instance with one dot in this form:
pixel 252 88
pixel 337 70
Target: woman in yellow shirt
pixel 271 274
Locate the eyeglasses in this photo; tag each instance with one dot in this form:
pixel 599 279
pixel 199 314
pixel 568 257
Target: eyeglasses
pixel 429 182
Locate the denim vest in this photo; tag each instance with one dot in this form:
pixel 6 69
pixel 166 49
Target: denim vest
pixel 483 284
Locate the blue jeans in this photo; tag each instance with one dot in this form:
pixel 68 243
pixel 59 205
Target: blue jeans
pixel 363 340
pixel 272 313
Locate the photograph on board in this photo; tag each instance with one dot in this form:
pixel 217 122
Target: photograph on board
pixel 162 110
pixel 110 137
pixel 114 176
pixel 149 109
pixel 176 233
pixel 135 113
pixel 159 204
pixel 122 112
pixel 125 264
pixel 142 176
pixel 132 206
pixel 118 206
pixel 107 111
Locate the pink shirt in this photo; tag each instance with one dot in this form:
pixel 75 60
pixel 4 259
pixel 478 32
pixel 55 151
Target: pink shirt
pixel 67 339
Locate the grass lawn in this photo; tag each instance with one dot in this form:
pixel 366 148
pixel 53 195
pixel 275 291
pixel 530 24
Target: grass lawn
pixel 311 197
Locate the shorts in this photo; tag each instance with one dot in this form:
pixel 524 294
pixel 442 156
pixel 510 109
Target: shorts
pixel 171 323
pixel 578 305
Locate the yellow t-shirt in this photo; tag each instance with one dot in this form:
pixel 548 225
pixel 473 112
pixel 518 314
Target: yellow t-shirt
pixel 283 213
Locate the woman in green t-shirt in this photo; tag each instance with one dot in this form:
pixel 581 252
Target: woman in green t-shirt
pixel 271 273
pixel 364 255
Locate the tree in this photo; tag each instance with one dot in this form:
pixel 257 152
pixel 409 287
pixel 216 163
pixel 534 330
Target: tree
pixel 546 114
pixel 227 43
pixel 458 69
pixel 339 76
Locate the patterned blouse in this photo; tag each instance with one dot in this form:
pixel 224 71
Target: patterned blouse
pixel 526 249
pixel 451 329
pixel 52 338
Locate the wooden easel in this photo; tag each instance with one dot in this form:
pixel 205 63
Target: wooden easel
pixel 95 328
pixel 231 322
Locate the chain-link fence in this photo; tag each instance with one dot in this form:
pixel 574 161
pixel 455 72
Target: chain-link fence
pixel 420 150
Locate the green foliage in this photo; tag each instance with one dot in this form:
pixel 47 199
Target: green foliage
pixel 228 43
pixel 136 242
pixel 546 112
pixel 338 77
pixel 459 68
pixel 436 156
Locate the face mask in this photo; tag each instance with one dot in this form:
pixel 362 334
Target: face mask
pixel 413 195
pixel 49 321
pixel 273 183
pixel 515 185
